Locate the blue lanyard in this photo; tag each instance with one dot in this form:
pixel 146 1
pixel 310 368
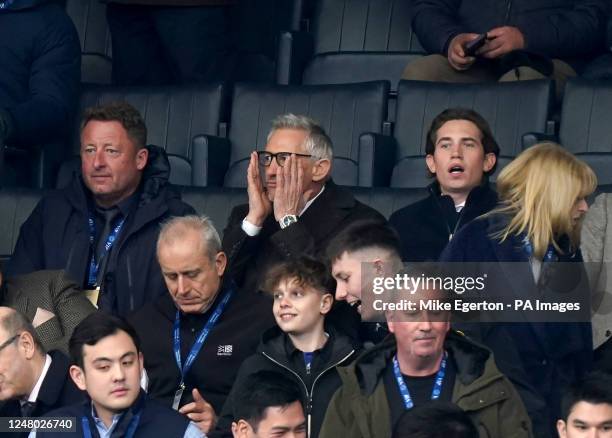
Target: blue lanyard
pixel 550 252
pixel 195 349
pixel 94 265
pixel 129 433
pixel 403 388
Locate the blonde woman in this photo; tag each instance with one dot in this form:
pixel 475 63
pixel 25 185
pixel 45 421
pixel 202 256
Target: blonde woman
pixel 536 224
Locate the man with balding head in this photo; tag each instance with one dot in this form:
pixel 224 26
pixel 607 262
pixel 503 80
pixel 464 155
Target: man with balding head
pixel 32 382
pixel 195 337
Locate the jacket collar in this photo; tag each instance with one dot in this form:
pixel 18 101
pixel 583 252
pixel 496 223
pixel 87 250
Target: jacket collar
pixel 469 358
pixel 273 344
pixel 53 383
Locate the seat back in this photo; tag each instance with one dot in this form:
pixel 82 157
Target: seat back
pixel 511 109
pixel 361 40
pixel 17 204
pixel 173 115
pixel 89 18
pixel 344 111
pixel 586 124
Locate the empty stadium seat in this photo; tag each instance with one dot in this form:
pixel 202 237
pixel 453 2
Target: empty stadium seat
pixel 350 41
pixel 586 124
pixel 511 108
pixel 352 115
pixel 89 17
pixel 176 119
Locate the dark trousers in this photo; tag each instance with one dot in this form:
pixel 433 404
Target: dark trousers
pixel 154 45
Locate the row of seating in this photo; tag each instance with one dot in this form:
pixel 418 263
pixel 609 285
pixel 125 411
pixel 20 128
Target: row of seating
pixel 210 134
pixel 215 202
pixel 339 41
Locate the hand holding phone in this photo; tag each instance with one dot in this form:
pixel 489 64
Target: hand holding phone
pixel 472 47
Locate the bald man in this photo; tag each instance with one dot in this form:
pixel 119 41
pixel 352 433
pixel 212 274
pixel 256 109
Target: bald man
pixel 33 382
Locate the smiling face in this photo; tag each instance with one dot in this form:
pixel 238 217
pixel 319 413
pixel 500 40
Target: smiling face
pixel 110 162
pixel 299 308
pixel 110 374
pixel 459 161
pixel 346 270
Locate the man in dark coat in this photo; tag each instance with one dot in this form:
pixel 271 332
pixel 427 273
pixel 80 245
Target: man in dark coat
pixel 33 382
pixel 102 228
pixel 202 318
pixel 522 36
pixel 299 210
pixel 461 153
pixel 39 82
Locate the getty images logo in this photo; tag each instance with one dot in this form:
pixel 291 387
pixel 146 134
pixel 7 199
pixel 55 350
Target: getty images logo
pixel 225 350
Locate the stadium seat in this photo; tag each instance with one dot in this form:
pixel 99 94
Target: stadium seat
pixel 586 127
pixel 352 115
pixel 350 41
pixel 89 17
pixel 177 119
pixel 511 108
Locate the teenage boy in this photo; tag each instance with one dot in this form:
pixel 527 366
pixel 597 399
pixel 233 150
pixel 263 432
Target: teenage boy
pixel 587 408
pixel 460 153
pixel 302 346
pixel 108 365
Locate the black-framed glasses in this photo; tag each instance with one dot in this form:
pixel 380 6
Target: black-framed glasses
pixel 8 342
pixel 265 157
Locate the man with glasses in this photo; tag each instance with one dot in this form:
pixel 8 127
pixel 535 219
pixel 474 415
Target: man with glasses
pixel 294 207
pixel 32 382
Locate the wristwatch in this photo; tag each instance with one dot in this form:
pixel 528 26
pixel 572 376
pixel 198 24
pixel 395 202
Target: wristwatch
pixel 287 220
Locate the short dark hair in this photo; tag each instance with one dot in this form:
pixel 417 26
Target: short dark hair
pixel 363 235
pixel 16 323
pixel 595 388
pixel 488 141
pixel 121 112
pixel 260 391
pixel 435 420
pixel 305 270
pixel 95 327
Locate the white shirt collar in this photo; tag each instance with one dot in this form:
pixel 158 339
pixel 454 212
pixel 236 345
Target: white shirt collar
pixel 459 207
pixel 34 394
pixel 311 201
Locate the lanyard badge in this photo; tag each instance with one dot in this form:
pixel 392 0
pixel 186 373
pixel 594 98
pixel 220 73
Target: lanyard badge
pixel 403 388
pixel 197 346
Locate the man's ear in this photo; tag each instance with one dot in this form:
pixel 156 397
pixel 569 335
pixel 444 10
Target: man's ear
pixel 561 428
pixel 321 169
pixel 25 342
pixel 220 263
pixel 431 163
pixel 240 429
pixel 78 377
pixel 142 157
pixel 489 161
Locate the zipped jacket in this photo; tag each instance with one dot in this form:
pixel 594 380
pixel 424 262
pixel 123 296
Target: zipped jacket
pixel 272 355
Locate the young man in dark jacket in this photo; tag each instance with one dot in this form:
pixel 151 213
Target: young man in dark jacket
pixel 102 228
pixel 301 347
pixel 522 37
pixel 461 153
pixel 108 364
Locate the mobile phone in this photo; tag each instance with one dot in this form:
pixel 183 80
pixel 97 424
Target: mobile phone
pixel 472 47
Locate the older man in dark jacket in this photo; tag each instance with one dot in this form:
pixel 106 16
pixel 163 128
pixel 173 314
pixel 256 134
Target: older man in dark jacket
pixel 102 228
pixel 521 38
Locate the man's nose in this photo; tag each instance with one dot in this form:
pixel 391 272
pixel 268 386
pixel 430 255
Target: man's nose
pixel 99 159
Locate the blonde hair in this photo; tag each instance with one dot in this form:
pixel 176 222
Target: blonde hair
pixel 539 189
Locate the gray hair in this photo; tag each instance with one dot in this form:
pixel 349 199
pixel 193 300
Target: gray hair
pixel 317 143
pixel 176 228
